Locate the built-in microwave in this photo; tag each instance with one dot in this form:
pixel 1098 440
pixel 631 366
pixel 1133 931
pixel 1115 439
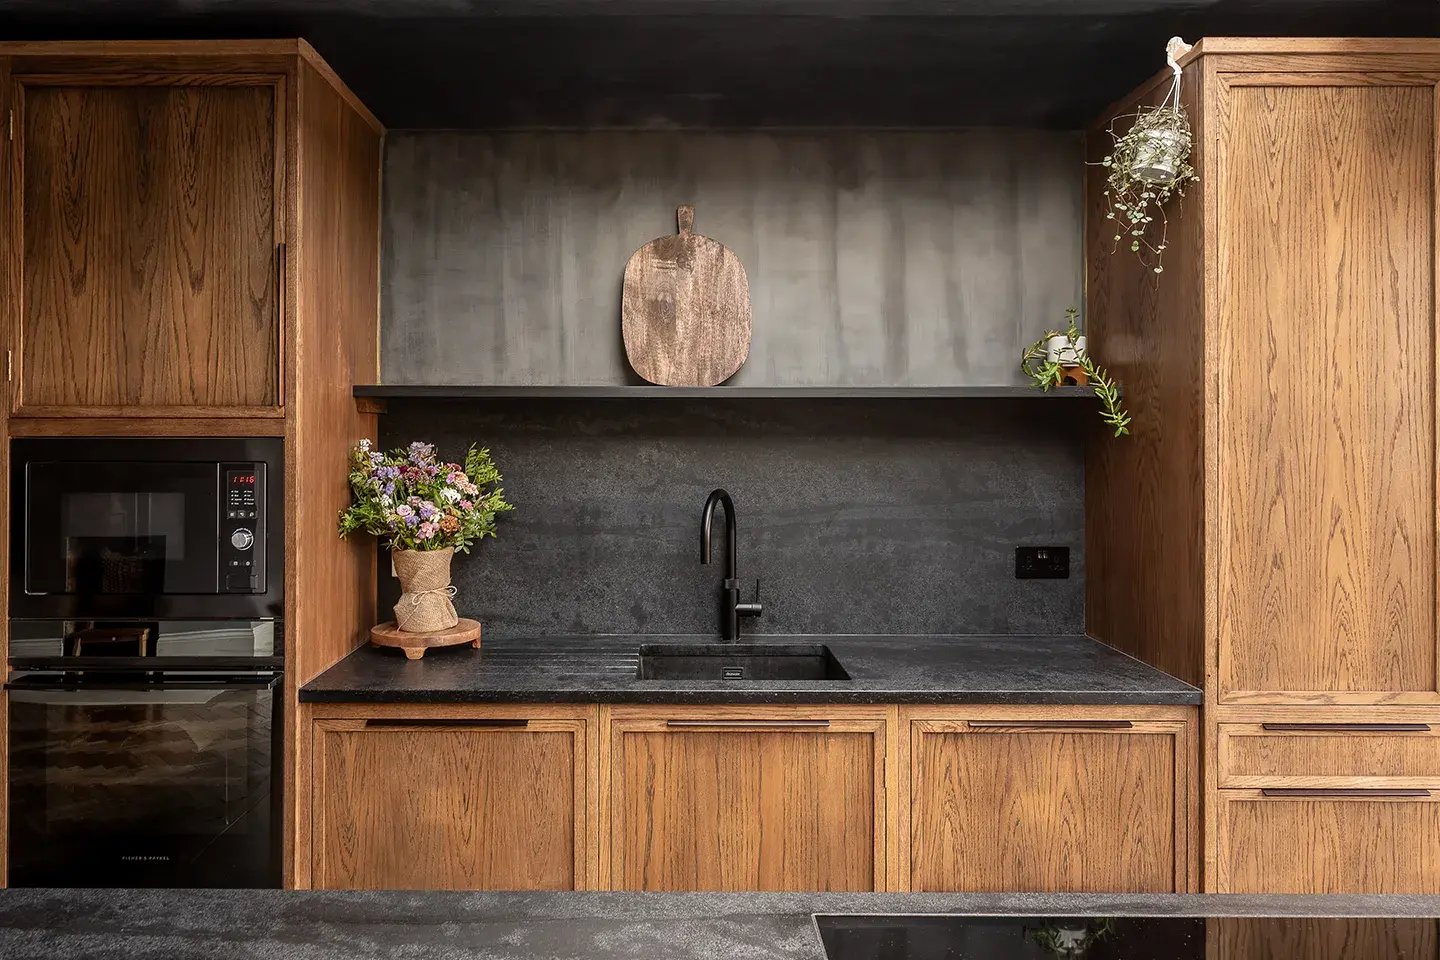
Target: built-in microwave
pixel 146 527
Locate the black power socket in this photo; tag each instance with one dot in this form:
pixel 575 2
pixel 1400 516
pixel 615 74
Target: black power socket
pixel 1042 563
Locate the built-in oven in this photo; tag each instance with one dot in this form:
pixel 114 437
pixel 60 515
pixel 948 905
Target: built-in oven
pixel 146 527
pixel 145 754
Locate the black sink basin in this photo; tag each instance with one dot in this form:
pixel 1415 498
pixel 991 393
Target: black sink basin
pixel 739 661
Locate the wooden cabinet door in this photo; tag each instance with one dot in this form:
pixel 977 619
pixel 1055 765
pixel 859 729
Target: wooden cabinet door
pixel 1070 799
pixel 1319 841
pixel 1321 938
pixel 150 245
pixel 745 798
pixel 1326 387
pixel 460 802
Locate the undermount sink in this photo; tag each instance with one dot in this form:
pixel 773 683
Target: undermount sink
pixel 739 661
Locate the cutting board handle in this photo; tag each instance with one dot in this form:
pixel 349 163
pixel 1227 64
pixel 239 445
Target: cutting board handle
pixel 685 217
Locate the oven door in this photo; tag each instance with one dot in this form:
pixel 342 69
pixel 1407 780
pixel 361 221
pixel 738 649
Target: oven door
pixel 145 779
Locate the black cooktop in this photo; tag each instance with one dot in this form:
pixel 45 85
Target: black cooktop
pixel 1126 938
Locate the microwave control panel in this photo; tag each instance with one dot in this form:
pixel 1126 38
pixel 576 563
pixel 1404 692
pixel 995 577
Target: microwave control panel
pixel 242 528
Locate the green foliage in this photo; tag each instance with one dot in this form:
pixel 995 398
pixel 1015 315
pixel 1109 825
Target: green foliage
pixel 412 500
pixel 1049 373
pixel 1135 205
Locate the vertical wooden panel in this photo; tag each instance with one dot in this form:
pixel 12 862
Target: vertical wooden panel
pixel 462 809
pixel 1144 548
pixel 334 254
pixel 873 258
pixel 1326 320
pixel 149 247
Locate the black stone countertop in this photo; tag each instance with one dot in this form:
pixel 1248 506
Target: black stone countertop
pixel 273 924
pixel 955 669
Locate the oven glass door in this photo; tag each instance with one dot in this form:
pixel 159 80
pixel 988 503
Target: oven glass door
pixel 128 528
pixel 144 780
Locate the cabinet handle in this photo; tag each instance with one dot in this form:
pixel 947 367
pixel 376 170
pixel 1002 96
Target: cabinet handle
pixel 280 287
pixel 450 724
pixel 1347 727
pixel 1342 792
pixel 1053 724
pixel 766 724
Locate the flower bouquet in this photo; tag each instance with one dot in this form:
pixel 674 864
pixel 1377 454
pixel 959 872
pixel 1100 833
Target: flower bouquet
pixel 425 510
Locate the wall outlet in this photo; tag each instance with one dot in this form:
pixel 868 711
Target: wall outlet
pixel 1042 563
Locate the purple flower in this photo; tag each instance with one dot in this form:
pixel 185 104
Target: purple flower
pixel 427 509
pixel 405 510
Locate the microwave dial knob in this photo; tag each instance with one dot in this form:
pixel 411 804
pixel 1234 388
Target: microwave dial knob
pixel 241 539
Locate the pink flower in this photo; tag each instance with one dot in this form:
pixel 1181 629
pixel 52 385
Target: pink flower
pixel 466 505
pixel 426 531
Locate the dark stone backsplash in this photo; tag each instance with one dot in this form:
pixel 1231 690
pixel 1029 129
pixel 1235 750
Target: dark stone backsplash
pixel 858 516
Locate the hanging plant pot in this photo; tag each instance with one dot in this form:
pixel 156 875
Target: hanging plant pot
pixel 1160 152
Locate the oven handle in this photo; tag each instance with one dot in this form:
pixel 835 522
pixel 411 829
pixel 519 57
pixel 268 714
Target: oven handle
pixel 217 682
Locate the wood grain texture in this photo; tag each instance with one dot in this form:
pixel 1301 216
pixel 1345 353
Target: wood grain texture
pixel 1327 506
pixel 422 806
pixel 737 807
pixel 685 309
pixel 414 645
pixel 334 288
pixel 9 309
pixel 1144 494
pixel 1055 799
pixel 1350 845
pixel 1252 756
pixel 146 427
pixel 150 232
pixel 881 258
pixel 1328 938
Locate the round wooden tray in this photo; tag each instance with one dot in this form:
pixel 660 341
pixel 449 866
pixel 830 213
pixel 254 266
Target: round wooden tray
pixel 415 644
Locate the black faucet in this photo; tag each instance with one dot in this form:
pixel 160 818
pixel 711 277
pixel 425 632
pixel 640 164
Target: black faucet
pixel 731 609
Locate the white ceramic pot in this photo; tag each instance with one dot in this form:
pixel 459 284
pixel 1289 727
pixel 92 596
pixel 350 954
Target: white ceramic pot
pixel 1060 349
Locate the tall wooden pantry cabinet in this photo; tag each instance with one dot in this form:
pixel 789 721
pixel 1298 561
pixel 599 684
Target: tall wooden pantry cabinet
pixel 1269 531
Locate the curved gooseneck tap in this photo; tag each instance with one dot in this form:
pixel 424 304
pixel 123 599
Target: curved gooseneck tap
pixel 731 609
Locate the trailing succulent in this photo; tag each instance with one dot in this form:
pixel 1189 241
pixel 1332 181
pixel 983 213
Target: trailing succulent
pixel 1047 373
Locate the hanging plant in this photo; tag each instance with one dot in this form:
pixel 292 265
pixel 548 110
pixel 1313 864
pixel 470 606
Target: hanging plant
pixel 1149 164
pixel 1059 357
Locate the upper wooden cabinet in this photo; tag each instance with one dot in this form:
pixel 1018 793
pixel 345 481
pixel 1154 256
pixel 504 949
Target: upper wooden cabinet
pixel 1270 528
pixel 744 798
pixel 153 263
pixel 1074 799
pixel 151 241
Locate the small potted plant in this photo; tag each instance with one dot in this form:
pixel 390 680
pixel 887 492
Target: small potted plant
pixel 426 511
pixel 1058 358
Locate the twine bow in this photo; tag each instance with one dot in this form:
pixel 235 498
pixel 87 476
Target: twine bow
pixel 414 595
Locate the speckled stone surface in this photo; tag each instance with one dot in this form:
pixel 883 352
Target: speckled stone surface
pixel 280 925
pixel 970 669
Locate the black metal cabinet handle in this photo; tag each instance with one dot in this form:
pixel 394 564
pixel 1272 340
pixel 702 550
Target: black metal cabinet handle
pixel 741 724
pixel 1346 727
pixel 449 724
pixel 1340 792
pixel 1054 724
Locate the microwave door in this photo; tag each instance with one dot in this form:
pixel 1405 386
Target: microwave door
pixel 98 529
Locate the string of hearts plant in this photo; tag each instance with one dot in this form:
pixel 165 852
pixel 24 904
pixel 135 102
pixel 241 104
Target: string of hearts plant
pixel 1149 165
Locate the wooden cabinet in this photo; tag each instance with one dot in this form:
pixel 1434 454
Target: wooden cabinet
pixel 151 239
pixel 1321 938
pixel 468 799
pixel 1080 799
pixel 744 798
pixel 1326 327
pixel 1326 841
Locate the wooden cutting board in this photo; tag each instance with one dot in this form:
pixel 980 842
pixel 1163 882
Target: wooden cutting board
pixel 685 309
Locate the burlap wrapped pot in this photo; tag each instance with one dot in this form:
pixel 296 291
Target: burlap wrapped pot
pixel 425 604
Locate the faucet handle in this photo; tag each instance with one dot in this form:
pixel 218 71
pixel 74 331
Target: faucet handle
pixel 750 609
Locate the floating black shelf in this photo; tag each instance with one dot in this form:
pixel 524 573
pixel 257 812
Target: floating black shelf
pixel 430 391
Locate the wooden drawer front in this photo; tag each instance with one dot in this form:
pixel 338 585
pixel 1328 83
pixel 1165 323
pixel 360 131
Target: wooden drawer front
pixel 1373 841
pixel 1063 805
pixel 1321 938
pixel 459 804
pixel 1329 755
pixel 786 804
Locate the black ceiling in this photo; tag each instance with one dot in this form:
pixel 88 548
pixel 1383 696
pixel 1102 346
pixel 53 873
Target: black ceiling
pixel 466 63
